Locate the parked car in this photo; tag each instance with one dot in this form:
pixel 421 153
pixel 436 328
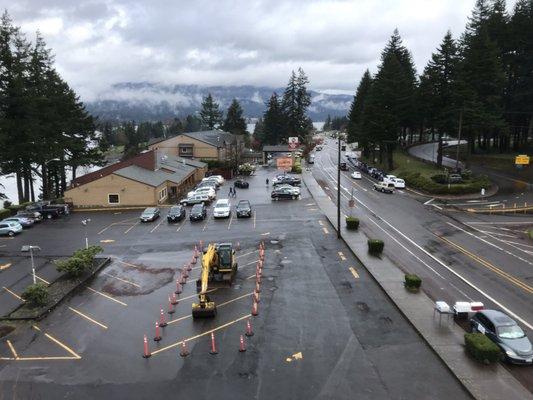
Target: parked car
pixel 198 212
pixel 150 214
pixel 384 187
pixel 222 209
pixel 283 193
pixel 176 213
pixel 196 199
pixel 505 332
pixel 211 179
pixel 399 183
pixel 455 178
pixel 33 215
pixel 243 209
pixel 10 228
pixel 207 190
pixel 212 184
pixel 286 179
pixel 25 222
pixel 293 189
pixel 356 175
pixel 239 183
pixel 46 211
pixel 219 178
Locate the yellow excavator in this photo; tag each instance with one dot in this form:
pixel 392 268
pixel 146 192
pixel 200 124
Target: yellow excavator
pixel 219 268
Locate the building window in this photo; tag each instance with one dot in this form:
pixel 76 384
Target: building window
pixel 113 199
pixel 162 194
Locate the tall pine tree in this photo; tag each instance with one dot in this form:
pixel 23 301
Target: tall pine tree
pixel 210 113
pixel 235 122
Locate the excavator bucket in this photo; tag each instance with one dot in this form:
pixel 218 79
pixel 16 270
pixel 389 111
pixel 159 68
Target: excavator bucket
pixel 207 310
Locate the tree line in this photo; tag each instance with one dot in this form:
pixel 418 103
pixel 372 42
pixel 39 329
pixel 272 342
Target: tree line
pixel 44 128
pixel 286 116
pixel 479 87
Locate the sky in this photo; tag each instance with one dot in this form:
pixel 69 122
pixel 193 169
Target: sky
pixel 231 42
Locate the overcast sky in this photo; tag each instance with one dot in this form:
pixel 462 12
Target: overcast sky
pixel 231 42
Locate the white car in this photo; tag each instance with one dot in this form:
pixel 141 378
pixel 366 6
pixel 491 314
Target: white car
pixel 293 189
pixel 220 179
pixel 389 178
pixel 356 175
pixel 204 190
pixel 399 183
pixel 222 209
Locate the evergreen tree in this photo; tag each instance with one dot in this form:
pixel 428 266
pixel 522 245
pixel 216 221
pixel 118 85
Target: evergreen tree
pixel 192 124
pixel 274 121
pixel 234 122
pixel 259 133
pixel 327 124
pixel 210 113
pixel 296 99
pixel 135 139
pixel 356 133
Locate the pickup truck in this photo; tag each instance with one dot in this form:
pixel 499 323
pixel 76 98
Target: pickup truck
pixel 48 210
pixel 384 187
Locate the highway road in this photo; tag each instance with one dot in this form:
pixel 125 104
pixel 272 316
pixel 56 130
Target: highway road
pixel 459 256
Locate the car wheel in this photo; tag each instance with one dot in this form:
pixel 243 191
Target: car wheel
pixel 11 233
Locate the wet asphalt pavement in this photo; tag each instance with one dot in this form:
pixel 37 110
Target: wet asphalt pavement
pixel 325 330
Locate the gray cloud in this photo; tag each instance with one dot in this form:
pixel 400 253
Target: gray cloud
pixel 101 42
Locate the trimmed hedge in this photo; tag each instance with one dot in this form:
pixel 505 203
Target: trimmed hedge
pixel 417 181
pixel 439 178
pixel 79 262
pixel 36 294
pixel 352 223
pixel 412 281
pixel 481 348
pixel 375 246
pixel 297 169
pixel 4 213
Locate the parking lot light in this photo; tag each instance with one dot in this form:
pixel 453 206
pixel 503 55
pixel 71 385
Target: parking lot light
pixel 85 222
pixel 30 248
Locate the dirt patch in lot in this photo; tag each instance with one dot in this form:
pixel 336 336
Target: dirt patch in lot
pixel 6 330
pixel 139 280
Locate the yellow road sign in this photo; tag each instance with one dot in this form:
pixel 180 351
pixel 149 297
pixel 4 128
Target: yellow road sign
pixel 522 159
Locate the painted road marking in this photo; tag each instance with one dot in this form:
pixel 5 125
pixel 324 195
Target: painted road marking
pixel 250 263
pixel 157 226
pixel 13 351
pixel 341 255
pixel 320 223
pixel 107 241
pixel 130 228
pixel 265 234
pixel 5 266
pixel 254 218
pixel 127 263
pixel 201 334
pixel 122 280
pixel 41 279
pixel 206 223
pixel 196 295
pixel 87 317
pixel 218 305
pixel 250 277
pixel 294 357
pixel 312 209
pixel 6 238
pixel 106 296
pixel 230 219
pixel 325 230
pixel 247 254
pixel 53 339
pixel 489 266
pixel 181 225
pixel 354 272
pixel 310 204
pixel 13 293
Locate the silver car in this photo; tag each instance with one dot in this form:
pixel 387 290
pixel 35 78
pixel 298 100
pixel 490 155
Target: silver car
pixel 10 228
pixel 25 222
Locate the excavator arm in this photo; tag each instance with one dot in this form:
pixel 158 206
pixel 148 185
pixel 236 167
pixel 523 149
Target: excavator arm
pixel 205 307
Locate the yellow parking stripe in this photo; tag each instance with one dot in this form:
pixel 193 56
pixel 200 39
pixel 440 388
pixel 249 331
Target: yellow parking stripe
pixel 354 272
pixel 325 230
pixel 13 293
pixel 12 349
pixel 53 339
pixel 42 280
pixel 106 296
pixel 341 255
pixel 122 280
pixel 87 317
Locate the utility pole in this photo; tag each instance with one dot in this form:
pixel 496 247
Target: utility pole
pixel 339 187
pixel 459 139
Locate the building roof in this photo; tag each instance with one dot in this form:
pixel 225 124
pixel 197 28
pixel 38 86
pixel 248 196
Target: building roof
pixel 168 172
pixel 191 162
pixel 280 147
pixel 214 137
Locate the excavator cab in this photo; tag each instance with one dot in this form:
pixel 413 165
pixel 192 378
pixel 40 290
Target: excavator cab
pixel 219 268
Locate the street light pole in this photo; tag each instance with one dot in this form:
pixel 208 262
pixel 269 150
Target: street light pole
pixel 85 222
pixel 32 265
pixel 339 188
pixel 459 140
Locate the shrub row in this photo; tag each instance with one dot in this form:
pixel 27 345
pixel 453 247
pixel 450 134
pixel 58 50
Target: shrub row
pixel 297 169
pixel 80 261
pixel 352 223
pixel 375 246
pixel 412 281
pixel 4 213
pixel 482 348
pixel 417 181
pixel 36 294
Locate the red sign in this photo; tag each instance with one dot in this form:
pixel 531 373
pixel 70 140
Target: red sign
pixel 284 163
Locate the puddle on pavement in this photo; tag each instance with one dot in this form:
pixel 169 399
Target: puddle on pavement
pixel 148 279
pixel 6 330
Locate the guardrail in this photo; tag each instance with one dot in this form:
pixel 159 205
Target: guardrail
pixel 502 209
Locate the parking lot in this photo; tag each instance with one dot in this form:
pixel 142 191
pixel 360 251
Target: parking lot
pixel 323 330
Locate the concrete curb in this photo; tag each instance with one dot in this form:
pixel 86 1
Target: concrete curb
pixel 446 340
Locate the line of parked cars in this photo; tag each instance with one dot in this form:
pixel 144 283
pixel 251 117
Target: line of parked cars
pixel 32 214
pixel 385 183
pixel 286 187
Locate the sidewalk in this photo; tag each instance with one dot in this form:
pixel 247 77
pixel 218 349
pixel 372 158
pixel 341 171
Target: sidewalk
pixel 446 339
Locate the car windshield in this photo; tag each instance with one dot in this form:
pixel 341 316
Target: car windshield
pixel 149 211
pixel 510 332
pixel 197 208
pixel 175 209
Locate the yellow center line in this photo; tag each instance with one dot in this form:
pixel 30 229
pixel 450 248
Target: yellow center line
pixel 122 280
pixel 157 226
pixel 107 296
pixel 13 293
pixel 201 334
pixel 218 305
pixel 130 228
pixel 87 317
pixel 41 279
pixel 354 272
pixel 12 349
pixel 341 255
pixel 490 266
pixel 325 230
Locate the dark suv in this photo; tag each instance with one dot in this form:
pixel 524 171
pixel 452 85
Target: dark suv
pixel 505 332
pixel 176 213
pixel 198 212
pixel 243 209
